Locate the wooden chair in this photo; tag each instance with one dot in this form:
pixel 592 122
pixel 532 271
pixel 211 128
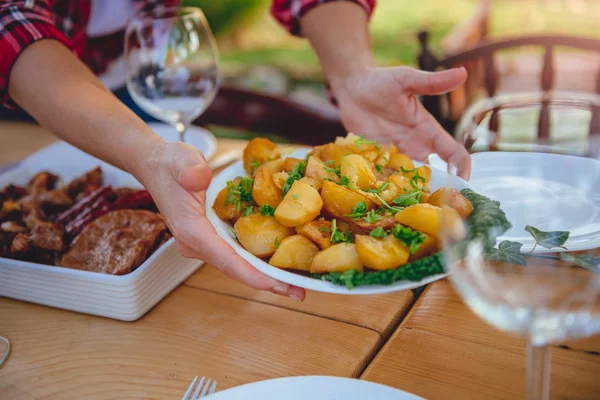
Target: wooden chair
pixel 485 52
pixel 304 124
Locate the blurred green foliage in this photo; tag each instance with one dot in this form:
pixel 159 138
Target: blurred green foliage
pixel 223 15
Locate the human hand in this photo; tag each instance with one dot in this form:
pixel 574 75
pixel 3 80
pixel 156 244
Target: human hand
pixel 177 176
pixel 382 103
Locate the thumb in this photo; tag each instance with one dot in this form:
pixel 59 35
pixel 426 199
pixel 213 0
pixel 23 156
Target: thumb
pixel 188 166
pixel 434 83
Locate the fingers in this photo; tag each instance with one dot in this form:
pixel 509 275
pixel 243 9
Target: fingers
pixel 188 166
pixel 216 252
pixel 453 153
pixel 433 83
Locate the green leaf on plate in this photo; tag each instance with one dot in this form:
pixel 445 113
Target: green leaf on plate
pixel 584 261
pixel 507 251
pixel 548 240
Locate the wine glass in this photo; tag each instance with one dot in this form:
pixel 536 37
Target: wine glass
pixel 537 154
pixel 172 64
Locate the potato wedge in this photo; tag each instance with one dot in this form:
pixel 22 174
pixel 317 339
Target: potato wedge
pixel 332 152
pixel 402 182
pixel 300 205
pixel 338 201
pixel 428 219
pixel 273 166
pixel 318 232
pixel 265 190
pixel 280 178
pixel 258 234
pixel 381 254
pixel 427 248
pixel 289 163
pixel 318 170
pixel 259 151
pixel 359 171
pixel 228 212
pixel 423 171
pixel 337 258
pixel 311 182
pixel 295 252
pixel 399 161
pixel 451 198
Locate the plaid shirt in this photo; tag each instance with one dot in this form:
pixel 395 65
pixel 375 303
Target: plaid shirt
pixel 22 22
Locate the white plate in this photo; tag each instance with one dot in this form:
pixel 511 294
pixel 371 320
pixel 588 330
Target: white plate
pixel 438 179
pixel 548 191
pixel 126 297
pixel 198 137
pixel 314 388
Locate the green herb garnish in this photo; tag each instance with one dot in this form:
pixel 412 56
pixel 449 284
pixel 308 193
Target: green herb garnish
pixel 408 199
pixel 255 164
pixel 296 174
pixel 378 232
pixel 277 242
pixel 345 181
pixel 338 236
pixel 362 141
pixel 416 179
pixel 372 217
pixel 379 168
pixel 324 229
pixel 295 196
pixel 240 193
pixel 331 167
pixel 386 205
pixel 359 211
pixel 266 209
pixel 380 189
pixel 413 239
pixel 248 211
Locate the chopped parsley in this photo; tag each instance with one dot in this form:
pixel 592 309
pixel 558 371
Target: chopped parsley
pixel 266 209
pixel 324 229
pixel 248 211
pixel 295 196
pixel 338 236
pixel 408 199
pixel 331 167
pixel 413 239
pixel 277 242
pixel 255 164
pixel 359 211
pixel 297 173
pixel 372 217
pixel 362 141
pixel 380 189
pixel 386 206
pixel 345 181
pixel 240 193
pixel 379 168
pixel 379 233
pixel 416 179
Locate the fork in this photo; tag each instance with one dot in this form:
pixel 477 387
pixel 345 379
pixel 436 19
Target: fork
pixel 204 385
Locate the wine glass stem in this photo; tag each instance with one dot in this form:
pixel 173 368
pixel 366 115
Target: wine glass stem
pixel 538 372
pixel 181 128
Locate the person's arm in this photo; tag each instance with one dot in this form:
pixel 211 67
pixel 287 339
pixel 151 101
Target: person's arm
pixel 49 82
pixel 379 102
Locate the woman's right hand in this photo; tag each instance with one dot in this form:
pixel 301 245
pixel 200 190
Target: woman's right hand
pixel 177 176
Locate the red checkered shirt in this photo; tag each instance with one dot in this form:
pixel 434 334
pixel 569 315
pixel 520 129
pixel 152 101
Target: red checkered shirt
pixel 22 22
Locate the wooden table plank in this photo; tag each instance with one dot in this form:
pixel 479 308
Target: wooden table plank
pixel 380 313
pixel 441 367
pixel 63 355
pixel 441 311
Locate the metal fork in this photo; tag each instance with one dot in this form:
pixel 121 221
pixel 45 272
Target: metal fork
pixel 203 389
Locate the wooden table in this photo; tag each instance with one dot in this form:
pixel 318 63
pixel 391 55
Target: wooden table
pixel 219 328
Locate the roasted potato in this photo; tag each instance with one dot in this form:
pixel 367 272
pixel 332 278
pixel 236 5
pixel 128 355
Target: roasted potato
pixel 381 254
pixel 427 248
pixel 337 258
pixel 273 166
pixel 423 171
pixel 280 178
pixel 300 205
pixel 402 182
pixel 318 232
pixel 290 163
pixel 228 212
pixel 265 190
pixel 312 182
pixel 399 161
pixel 332 152
pixel 259 234
pixel 451 198
pixel 428 219
pixel 359 171
pixel 294 252
pixel 318 170
pixel 338 201
pixel 259 151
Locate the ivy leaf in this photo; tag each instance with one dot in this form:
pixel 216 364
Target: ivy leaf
pixel 548 240
pixel 584 261
pixel 507 251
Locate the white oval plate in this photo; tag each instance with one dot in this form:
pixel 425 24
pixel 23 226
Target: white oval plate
pixel 197 136
pixel 314 388
pixel 438 179
pixel 567 187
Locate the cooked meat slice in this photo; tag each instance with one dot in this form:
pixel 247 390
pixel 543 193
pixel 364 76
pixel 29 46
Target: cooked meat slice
pixel 20 244
pixel 10 210
pixel 42 181
pixel 116 243
pixel 86 183
pixel 6 239
pixel 12 192
pixel 12 226
pixel 54 201
pixel 47 236
pixel 361 226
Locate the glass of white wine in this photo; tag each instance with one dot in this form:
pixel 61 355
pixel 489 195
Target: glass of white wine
pixel 172 64
pixel 528 265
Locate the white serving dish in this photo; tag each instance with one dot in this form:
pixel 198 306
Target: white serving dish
pixel 126 297
pixel 439 178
